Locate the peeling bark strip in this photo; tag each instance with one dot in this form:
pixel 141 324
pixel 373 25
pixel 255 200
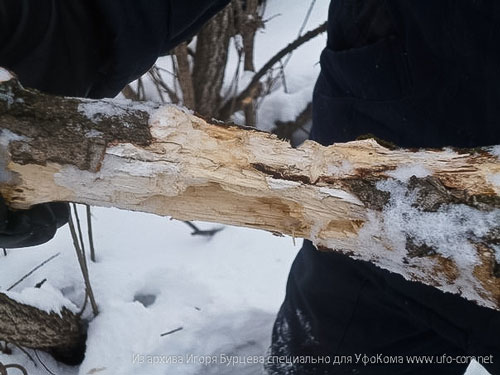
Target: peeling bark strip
pixel 430 215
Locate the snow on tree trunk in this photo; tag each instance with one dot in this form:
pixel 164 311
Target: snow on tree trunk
pixel 432 216
pixel 32 327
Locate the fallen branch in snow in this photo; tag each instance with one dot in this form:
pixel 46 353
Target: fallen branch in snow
pixel 431 215
pixel 32 327
pixel 172 331
pixel 89 293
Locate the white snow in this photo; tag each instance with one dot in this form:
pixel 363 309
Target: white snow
pixel 5 75
pixel 224 292
pixel 95 110
pixel 495 150
pixel 445 230
pixel 93 134
pixel 405 172
pixel 496 248
pixel 340 170
pixel 495 179
pixel 6 136
pixel 46 298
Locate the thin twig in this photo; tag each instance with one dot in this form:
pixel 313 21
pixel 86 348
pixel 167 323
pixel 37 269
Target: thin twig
pixel 79 228
pixel 283 77
pixel 172 331
pixel 302 27
pixel 289 56
pixel 201 232
pixel 32 271
pixel 83 266
pixel 4 251
pixel 155 75
pixel 264 21
pixel 39 284
pixel 141 92
pixel 30 357
pixel 4 348
pixel 84 306
pixel 225 111
pixel 90 234
pixel 4 368
pixel 129 93
pixel 43 364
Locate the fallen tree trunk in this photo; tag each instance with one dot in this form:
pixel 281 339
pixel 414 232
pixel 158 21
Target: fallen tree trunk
pixel 431 215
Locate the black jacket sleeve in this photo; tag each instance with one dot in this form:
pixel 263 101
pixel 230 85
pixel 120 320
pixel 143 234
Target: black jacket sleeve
pixel 90 48
pixel 93 48
pixel 138 31
pixel 31 227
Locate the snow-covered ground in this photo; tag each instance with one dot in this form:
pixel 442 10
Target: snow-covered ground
pixel 152 277
pixel 214 297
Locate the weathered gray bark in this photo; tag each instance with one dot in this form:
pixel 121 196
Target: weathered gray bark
pixel 33 328
pixel 170 162
pixel 210 61
pixel 184 75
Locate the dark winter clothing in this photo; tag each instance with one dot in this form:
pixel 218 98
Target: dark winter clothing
pixel 420 73
pixel 414 72
pixel 86 48
pixel 31 227
pixel 93 48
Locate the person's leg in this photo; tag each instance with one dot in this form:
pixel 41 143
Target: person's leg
pixel 391 69
pixel 340 309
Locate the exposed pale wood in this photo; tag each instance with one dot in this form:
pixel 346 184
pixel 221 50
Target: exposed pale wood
pixel 177 164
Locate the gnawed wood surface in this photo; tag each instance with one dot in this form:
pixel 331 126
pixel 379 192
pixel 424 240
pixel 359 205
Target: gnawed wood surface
pixel 363 199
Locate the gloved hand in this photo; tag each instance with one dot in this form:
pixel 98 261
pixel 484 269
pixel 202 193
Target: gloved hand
pixel 23 228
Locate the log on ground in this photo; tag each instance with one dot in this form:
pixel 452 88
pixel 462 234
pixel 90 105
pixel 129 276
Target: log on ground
pixel 432 216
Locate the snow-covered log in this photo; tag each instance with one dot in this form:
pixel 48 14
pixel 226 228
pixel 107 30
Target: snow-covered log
pixel 430 215
pixel 59 332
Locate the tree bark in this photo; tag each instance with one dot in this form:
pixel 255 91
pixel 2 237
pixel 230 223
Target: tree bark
pixel 210 62
pixel 431 215
pixel 184 75
pixel 30 327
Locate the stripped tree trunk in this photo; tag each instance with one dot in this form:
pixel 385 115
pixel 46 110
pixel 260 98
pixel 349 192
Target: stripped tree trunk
pixel 431 215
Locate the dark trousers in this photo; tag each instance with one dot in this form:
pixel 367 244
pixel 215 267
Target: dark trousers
pixel 418 73
pixel 374 322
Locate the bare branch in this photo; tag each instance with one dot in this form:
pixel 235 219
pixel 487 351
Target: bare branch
pixel 228 108
pixel 33 271
pixel 83 265
pixel 90 233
